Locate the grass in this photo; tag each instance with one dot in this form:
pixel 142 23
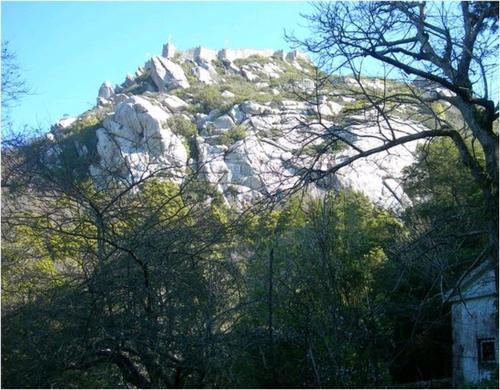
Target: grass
pixel 255 58
pixel 205 98
pixel 187 67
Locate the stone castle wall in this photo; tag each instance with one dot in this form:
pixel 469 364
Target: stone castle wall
pixel 206 54
pixel 234 54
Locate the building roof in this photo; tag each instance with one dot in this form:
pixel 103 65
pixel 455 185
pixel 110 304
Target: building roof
pixel 480 282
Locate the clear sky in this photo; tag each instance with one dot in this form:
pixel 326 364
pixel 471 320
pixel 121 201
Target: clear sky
pixel 67 49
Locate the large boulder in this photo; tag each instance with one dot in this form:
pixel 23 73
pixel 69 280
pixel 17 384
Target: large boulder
pixel 224 122
pixel 237 115
pixel 65 122
pixel 135 140
pixel 249 75
pixel 271 70
pixel 166 74
pixel 252 108
pixel 202 74
pixel 174 103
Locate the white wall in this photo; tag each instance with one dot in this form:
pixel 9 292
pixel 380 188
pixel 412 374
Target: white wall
pixel 472 321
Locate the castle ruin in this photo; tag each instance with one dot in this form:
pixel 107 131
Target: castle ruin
pixel 205 54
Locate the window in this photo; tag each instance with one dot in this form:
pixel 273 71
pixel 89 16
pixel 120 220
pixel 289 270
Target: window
pixel 486 351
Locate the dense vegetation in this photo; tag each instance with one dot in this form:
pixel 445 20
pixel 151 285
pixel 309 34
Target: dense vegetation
pixel 161 288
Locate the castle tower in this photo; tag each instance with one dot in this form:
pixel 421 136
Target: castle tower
pixel 168 50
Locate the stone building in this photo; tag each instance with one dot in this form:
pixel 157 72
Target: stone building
pixel 474 322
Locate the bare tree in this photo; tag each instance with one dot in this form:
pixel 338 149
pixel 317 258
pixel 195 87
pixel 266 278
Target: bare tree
pixel 433 59
pixel 142 261
pixel 14 86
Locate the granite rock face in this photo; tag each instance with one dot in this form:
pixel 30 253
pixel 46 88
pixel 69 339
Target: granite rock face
pixel 203 75
pixel 135 141
pixel 166 74
pixel 260 138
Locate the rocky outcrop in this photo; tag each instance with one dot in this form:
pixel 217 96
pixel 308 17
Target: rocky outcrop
pixel 174 103
pixel 203 75
pixel 65 122
pixel 135 141
pixel 246 149
pixel 166 74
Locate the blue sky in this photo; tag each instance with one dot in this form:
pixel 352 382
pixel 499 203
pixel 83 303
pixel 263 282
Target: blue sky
pixel 67 49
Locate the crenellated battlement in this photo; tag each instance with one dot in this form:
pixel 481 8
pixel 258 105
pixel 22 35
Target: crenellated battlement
pixel 201 53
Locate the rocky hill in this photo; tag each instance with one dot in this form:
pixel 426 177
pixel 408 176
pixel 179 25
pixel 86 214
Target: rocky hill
pixel 250 122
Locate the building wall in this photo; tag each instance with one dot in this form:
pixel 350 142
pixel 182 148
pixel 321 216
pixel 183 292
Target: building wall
pixel 233 54
pixel 206 54
pixel 471 321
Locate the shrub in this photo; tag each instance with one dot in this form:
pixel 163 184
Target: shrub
pixel 182 126
pixel 233 135
pixel 73 164
pixel 187 67
pixel 140 84
pixel 313 150
pixel 244 90
pixel 206 98
pixel 83 124
pixel 187 130
pixel 219 66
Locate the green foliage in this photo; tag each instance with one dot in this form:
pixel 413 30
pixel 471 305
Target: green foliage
pixel 187 66
pixel 325 255
pixel 77 150
pixel 207 98
pixel 187 130
pixel 232 135
pixel 447 203
pixel 439 179
pixel 173 279
pixel 151 283
pixel 182 126
pixel 241 88
pixel 445 232
pixel 308 66
pixel 356 105
pixel 140 84
pixel 219 67
pixel 105 376
pixel 83 124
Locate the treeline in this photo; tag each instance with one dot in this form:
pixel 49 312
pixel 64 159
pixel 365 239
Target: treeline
pixel 150 284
